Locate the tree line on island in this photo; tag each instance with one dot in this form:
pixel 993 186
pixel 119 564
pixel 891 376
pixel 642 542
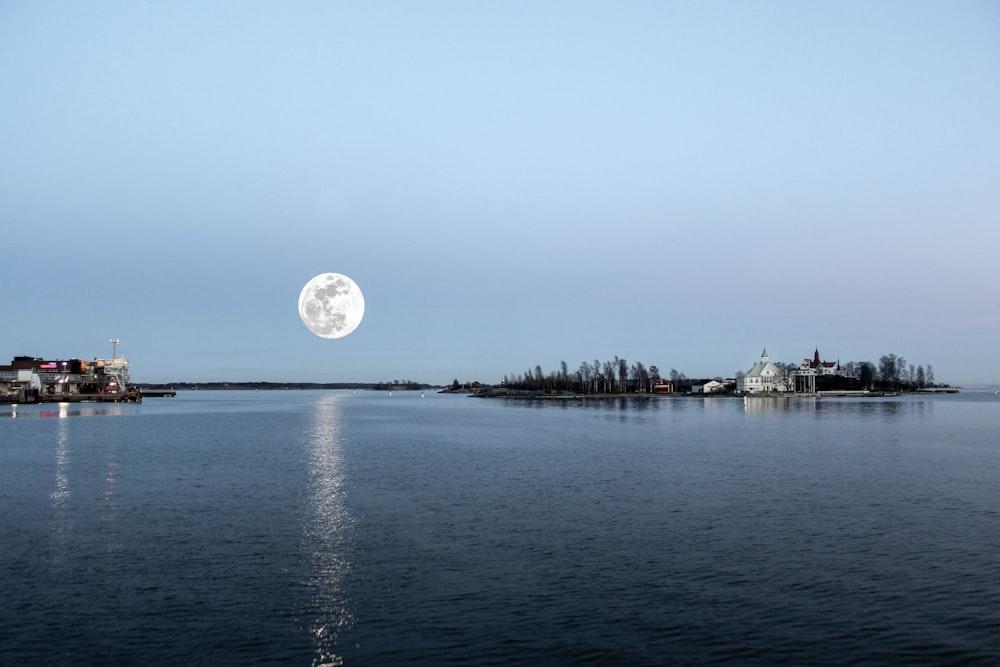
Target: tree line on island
pixel 618 376
pixel 609 377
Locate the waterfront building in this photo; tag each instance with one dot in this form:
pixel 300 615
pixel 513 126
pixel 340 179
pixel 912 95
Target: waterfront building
pixel 32 379
pixel 805 375
pixel 710 387
pixel 762 377
pixel 820 367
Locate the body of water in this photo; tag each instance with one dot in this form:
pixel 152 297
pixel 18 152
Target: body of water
pixel 315 527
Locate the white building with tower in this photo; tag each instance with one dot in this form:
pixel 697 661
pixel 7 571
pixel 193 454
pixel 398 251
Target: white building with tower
pixel 762 377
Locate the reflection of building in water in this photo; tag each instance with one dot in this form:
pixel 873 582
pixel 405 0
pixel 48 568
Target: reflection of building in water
pixel 61 522
pixel 715 405
pixel 111 519
pixel 327 534
pixel 775 403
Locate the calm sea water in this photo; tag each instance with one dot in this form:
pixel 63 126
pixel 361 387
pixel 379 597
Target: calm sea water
pixel 307 528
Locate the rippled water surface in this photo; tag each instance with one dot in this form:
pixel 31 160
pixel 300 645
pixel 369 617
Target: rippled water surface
pixel 307 528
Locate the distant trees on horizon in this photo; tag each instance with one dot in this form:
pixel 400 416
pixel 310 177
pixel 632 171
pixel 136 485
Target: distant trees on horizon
pixel 618 376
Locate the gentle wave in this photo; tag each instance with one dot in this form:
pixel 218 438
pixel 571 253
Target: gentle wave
pixel 327 528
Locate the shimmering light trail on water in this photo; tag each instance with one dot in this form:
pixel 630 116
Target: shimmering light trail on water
pixel 327 533
pixel 318 528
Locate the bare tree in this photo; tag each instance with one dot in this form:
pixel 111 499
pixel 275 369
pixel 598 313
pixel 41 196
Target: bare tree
pixel 866 374
pixel 609 376
pixel 584 376
pixel 888 371
pixel 641 377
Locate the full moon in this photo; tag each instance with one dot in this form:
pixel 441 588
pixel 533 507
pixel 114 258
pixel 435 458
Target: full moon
pixel 331 305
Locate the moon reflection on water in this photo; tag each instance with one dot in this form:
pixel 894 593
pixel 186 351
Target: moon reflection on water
pixel 327 534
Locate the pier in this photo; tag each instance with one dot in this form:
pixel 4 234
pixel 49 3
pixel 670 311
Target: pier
pixel 38 380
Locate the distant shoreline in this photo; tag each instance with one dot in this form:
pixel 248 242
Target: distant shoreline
pixel 510 393
pixel 541 395
pixel 283 386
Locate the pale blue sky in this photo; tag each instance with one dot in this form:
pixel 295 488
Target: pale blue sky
pixel 510 184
